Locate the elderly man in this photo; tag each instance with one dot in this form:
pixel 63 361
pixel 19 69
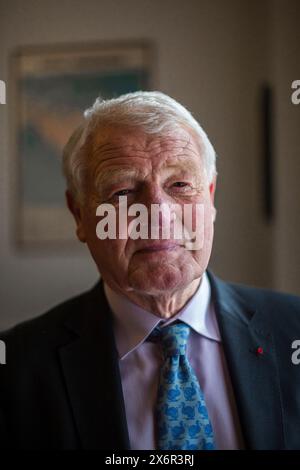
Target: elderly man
pixel 160 354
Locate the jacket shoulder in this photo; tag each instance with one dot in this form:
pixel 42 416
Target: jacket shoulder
pixel 46 328
pixel 269 298
pixel 280 310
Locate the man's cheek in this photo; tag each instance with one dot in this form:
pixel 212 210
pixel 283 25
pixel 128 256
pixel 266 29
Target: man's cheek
pixel 194 224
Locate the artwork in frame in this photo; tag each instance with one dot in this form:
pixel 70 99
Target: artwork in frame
pixel 53 86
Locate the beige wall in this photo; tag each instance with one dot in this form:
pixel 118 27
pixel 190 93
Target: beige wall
pixel 285 69
pixel 212 56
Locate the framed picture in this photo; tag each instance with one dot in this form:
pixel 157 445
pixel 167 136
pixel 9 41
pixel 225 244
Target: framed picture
pixel 53 86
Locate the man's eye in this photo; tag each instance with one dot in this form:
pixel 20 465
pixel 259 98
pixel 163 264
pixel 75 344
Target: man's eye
pixel 122 192
pixel 181 185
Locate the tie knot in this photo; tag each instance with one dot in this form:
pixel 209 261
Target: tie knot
pixel 174 339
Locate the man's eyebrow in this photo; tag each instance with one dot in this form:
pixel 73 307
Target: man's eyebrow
pixel 116 174
pixel 184 166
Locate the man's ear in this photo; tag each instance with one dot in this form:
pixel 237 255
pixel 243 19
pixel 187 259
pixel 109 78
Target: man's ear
pixel 76 211
pixel 212 190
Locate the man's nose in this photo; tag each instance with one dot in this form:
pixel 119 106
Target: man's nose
pixel 153 194
pixel 160 210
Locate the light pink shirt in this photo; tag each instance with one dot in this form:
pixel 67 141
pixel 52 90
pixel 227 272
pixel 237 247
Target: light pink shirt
pixel 140 363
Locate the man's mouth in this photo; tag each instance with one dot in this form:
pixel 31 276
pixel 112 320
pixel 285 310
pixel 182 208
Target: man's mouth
pixel 161 246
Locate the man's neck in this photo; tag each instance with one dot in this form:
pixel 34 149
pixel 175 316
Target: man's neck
pixel 166 304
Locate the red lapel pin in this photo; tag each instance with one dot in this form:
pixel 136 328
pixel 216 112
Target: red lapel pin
pixel 259 351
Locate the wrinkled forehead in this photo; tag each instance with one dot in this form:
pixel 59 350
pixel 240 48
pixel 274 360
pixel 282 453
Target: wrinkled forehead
pixel 129 144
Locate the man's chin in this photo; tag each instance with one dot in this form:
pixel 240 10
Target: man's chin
pixel 157 283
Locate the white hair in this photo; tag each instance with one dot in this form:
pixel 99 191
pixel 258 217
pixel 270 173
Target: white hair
pixel 151 111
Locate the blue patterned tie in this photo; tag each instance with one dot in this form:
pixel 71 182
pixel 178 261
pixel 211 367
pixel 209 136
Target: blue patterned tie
pixel 183 422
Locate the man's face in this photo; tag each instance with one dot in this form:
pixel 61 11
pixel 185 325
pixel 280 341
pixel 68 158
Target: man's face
pixel 147 170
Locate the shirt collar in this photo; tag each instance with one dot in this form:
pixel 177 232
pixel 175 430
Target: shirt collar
pixel 133 324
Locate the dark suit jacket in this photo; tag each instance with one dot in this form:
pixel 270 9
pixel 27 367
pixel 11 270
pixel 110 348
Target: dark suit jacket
pixel 61 388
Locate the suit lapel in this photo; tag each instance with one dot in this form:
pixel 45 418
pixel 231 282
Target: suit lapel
pixel 92 377
pixel 254 376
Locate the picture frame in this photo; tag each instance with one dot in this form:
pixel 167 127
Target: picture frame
pixel 53 85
